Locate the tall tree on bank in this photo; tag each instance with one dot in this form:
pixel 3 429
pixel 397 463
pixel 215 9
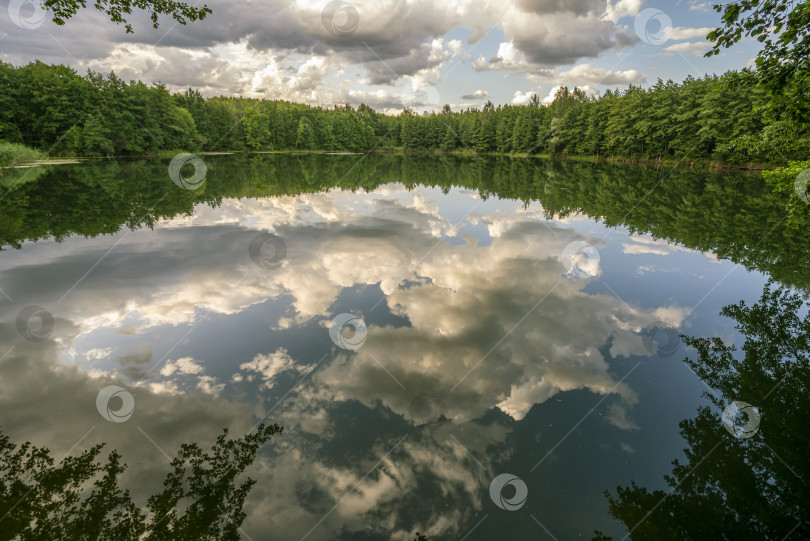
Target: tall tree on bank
pixel 783 67
pixel 305 136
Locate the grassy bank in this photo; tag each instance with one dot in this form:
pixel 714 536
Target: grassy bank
pixel 15 153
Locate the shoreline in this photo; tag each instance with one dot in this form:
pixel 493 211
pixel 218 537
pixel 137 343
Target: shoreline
pixel 752 167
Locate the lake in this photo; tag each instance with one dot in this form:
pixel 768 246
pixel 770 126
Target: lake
pixel 471 348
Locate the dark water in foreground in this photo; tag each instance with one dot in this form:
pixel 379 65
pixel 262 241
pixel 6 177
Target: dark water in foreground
pixel 461 347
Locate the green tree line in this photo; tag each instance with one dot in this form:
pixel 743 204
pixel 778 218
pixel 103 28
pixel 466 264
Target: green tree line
pixel 725 118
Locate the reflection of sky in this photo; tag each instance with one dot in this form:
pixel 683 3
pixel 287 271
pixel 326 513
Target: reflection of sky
pixel 484 319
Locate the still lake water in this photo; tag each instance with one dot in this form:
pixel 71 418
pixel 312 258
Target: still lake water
pixel 499 317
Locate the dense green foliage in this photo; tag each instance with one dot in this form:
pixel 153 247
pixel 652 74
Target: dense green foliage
pixel 11 153
pixel 200 498
pixel 782 26
pixel 117 10
pixel 793 182
pixel 730 488
pixel 730 214
pixel 53 109
pixel 783 68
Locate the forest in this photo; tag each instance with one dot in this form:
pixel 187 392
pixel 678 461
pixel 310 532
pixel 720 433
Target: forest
pixel 727 118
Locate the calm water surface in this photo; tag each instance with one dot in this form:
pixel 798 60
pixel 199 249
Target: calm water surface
pixel 420 326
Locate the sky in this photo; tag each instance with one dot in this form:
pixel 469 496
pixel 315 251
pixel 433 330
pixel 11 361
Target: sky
pixel 386 53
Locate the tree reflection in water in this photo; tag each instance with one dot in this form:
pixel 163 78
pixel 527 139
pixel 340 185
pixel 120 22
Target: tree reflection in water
pixel 81 499
pixel 752 485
